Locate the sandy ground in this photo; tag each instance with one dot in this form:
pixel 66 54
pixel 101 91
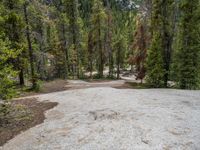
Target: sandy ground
pixel 104 118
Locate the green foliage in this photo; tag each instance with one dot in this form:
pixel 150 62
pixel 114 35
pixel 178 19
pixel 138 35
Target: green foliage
pixel 120 44
pixel 138 85
pixel 38 86
pixel 155 69
pixel 189 46
pixel 67 38
pixel 155 62
pixel 6 83
pixel 6 70
pixel 12 113
pixel 5 109
pixel 98 20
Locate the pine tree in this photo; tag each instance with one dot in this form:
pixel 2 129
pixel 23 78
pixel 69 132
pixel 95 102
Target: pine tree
pixel 62 30
pixel 189 45
pixel 167 36
pixel 7 72
pixel 98 19
pixel 14 32
pixel 119 45
pixel 155 62
pixel 140 46
pixel 30 47
pixel 90 46
pixel 108 38
pixel 74 30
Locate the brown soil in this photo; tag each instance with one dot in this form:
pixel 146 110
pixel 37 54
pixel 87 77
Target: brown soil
pixel 34 115
pixel 48 87
pixel 54 86
pixel 98 80
pixel 62 85
pixel 124 86
pixel 130 85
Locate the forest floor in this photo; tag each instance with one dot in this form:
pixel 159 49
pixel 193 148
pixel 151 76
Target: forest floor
pixel 111 115
pixel 24 114
pixel 62 85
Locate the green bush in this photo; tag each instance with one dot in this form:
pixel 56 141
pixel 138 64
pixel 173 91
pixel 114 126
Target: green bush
pixel 38 86
pixel 7 74
pixel 5 109
pixel 7 90
pixel 13 113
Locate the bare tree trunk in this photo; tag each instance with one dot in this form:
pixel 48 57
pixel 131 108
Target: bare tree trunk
pixel 90 51
pixel 109 39
pixel 91 69
pixel 118 63
pixel 21 77
pixel 74 35
pixel 66 52
pixel 42 64
pixel 101 65
pixel 168 40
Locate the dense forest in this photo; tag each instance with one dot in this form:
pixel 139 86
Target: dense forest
pixel 41 40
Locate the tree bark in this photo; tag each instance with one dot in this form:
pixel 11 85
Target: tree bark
pixel 167 40
pixel 66 52
pixel 74 35
pixel 101 65
pixel 118 63
pixel 31 59
pixel 109 39
pixel 21 77
pixel 90 51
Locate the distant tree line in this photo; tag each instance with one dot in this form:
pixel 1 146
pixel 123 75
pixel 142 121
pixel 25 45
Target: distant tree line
pixel 48 39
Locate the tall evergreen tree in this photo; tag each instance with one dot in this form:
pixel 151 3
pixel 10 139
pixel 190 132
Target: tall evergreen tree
pixel 167 36
pixel 189 45
pixel 30 48
pixel 108 39
pixel 98 19
pixel 14 32
pixel 119 46
pixel 74 30
pixel 140 46
pixel 6 69
pixel 155 62
pixel 6 56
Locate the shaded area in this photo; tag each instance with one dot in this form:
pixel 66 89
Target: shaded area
pixel 47 87
pixel 63 85
pixel 23 114
pixel 133 85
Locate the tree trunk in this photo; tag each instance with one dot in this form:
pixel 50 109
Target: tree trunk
pixel 74 35
pixel 90 51
pixel 21 77
pixel 109 40
pixel 118 63
pixel 91 68
pixel 31 59
pixel 66 52
pixel 167 42
pixel 101 65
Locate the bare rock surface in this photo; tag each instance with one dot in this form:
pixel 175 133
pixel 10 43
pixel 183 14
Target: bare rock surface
pixel 116 119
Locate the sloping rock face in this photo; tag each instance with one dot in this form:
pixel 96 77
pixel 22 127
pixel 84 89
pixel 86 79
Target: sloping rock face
pixel 116 119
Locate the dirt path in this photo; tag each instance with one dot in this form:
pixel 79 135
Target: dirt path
pixel 115 119
pixel 63 85
pixel 78 84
